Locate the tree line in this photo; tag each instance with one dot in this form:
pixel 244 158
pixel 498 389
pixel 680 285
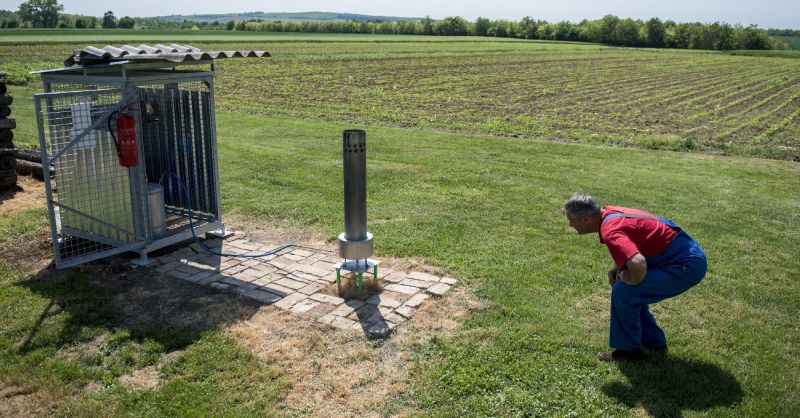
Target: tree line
pixel 783 32
pixel 610 29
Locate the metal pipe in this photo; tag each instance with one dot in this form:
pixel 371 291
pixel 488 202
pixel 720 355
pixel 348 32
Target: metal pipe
pixel 355 243
pixel 354 144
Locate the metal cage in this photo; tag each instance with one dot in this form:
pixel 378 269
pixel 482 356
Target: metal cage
pixel 98 207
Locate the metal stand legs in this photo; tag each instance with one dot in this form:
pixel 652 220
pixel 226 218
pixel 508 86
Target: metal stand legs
pixel 359 267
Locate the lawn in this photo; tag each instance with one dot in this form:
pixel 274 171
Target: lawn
pixel 487 210
pixel 481 205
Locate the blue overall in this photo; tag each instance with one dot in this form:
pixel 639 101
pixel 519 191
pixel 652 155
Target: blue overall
pixel 679 267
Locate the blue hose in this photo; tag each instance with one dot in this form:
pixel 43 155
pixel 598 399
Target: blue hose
pixel 213 252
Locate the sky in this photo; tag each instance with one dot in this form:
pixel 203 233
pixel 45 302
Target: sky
pixel 764 13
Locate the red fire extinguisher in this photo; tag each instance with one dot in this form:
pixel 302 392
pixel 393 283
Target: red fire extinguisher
pixel 125 139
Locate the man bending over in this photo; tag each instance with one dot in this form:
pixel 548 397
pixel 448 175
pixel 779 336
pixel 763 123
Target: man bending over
pixel 654 259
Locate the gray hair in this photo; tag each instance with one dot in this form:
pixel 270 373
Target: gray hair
pixel 581 204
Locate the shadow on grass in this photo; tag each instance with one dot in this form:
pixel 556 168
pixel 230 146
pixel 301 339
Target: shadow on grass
pixel 666 386
pixel 99 298
pixel 8 194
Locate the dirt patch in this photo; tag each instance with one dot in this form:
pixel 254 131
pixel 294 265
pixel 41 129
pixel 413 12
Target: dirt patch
pixel 142 379
pixel 342 373
pixel 273 233
pixel 593 311
pixel 18 401
pixel 31 255
pixel 28 194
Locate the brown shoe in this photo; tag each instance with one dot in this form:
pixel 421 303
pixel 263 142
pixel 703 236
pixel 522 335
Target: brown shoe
pixel 617 355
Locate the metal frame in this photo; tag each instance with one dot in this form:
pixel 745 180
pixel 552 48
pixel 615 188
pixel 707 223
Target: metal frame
pixel 359 267
pixel 103 245
pixel 128 80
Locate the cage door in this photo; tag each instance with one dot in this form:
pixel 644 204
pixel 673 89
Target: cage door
pixel 92 199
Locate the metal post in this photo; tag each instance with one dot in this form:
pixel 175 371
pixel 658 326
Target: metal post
pixel 355 243
pixel 355 184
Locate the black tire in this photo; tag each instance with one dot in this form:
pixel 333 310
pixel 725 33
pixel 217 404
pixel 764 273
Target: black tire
pixel 8 163
pixel 8 179
pixel 29 155
pixel 6 135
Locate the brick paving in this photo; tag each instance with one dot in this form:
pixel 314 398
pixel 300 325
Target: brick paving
pixel 294 279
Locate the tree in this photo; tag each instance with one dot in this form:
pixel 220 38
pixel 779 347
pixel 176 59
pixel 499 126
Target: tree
pixel 41 13
pixel 427 26
pixel 482 26
pixel 501 28
pixel 527 28
pixel 565 31
pixel 452 26
pixel 753 38
pixel 655 34
pixel 608 25
pixel 626 32
pixel 126 22
pixel 86 22
pixel 109 20
pixel 8 19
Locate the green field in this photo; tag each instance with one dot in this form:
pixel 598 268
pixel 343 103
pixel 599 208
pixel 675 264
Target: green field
pixel 474 146
pixel 657 99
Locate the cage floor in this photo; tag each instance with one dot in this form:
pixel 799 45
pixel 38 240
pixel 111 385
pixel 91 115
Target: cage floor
pixel 178 219
pixel 71 247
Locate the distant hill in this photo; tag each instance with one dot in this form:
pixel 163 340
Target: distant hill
pixel 284 17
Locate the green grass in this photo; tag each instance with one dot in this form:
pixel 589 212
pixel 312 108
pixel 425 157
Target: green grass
pixel 48 316
pixel 794 54
pixel 488 210
pixel 484 209
pixel 63 338
pixel 26 134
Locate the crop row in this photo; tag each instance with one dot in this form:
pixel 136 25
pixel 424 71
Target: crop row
pixel 542 90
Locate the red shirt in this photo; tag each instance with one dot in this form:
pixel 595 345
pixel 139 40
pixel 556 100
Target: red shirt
pixel 625 237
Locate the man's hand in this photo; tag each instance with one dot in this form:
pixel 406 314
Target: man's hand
pixel 612 276
pixel 635 270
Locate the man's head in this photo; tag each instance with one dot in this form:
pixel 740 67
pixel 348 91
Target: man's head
pixel 583 213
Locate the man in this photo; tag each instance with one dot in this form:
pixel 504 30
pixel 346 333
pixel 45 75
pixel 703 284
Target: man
pixel 654 259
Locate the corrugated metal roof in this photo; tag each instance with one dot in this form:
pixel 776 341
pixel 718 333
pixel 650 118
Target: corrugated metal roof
pixel 172 53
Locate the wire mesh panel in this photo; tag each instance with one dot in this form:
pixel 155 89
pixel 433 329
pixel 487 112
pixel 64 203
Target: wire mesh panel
pixel 90 195
pixel 178 139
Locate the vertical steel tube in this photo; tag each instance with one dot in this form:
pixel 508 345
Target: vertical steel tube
pixel 354 146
